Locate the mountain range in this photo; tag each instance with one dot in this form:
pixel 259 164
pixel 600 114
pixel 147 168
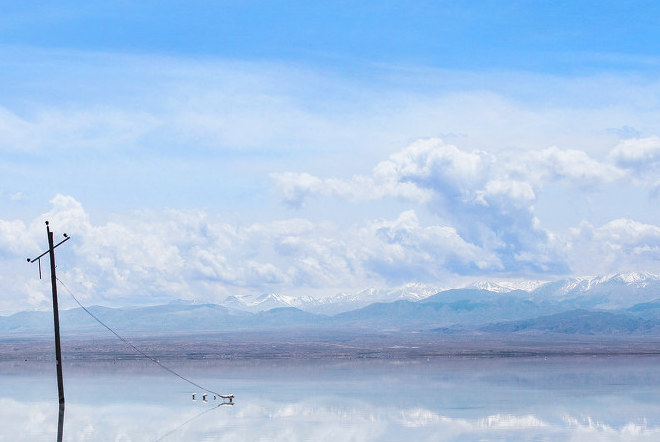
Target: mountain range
pixel 623 304
pixel 604 292
pixel 338 303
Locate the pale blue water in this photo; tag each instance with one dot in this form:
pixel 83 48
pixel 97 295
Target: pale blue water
pixel 449 399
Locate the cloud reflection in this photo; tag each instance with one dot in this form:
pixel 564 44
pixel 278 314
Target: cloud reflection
pixel 316 419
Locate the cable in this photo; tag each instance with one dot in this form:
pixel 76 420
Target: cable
pixel 130 344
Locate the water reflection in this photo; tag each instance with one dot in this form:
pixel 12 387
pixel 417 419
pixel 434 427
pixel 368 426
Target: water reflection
pixel 169 433
pixel 604 399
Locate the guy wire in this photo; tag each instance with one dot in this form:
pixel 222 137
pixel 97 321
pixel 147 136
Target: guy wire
pixel 127 342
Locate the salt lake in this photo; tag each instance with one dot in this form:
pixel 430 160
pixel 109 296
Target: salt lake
pixel 572 398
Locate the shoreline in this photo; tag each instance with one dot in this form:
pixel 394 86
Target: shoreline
pixel 346 346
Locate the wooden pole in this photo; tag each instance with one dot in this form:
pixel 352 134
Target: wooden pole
pixel 56 315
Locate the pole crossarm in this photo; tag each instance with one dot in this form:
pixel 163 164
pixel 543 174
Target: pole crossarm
pixel 67 237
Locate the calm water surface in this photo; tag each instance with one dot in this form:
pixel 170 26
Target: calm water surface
pixel 448 399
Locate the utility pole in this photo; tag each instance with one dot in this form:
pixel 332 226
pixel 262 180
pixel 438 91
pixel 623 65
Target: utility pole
pixel 56 314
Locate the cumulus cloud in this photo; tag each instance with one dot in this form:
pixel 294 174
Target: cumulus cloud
pixel 14 238
pixel 619 245
pixel 403 249
pixel 487 198
pixel 297 188
pixel 486 202
pixel 429 171
pixel 146 257
pixel 637 155
pixel 573 167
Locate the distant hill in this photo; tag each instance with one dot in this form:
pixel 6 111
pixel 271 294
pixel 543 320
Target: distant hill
pixel 504 315
pixel 432 312
pixel 170 318
pixel 580 322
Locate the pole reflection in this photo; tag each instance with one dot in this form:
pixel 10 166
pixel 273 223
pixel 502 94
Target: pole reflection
pixel 60 424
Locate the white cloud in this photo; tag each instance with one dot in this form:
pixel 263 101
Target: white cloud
pixel 402 249
pixel 432 167
pixel 487 203
pixel 64 131
pixel 573 167
pixel 15 239
pixel 297 188
pixel 637 155
pixel 487 198
pixel 620 245
pixel 513 422
pixel 148 256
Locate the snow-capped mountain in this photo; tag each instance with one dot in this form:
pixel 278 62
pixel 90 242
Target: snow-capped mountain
pixel 259 303
pixel 507 286
pixel 620 290
pixel 338 303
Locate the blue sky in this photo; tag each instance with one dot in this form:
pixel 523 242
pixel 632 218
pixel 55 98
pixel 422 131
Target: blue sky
pixel 550 36
pixel 200 149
